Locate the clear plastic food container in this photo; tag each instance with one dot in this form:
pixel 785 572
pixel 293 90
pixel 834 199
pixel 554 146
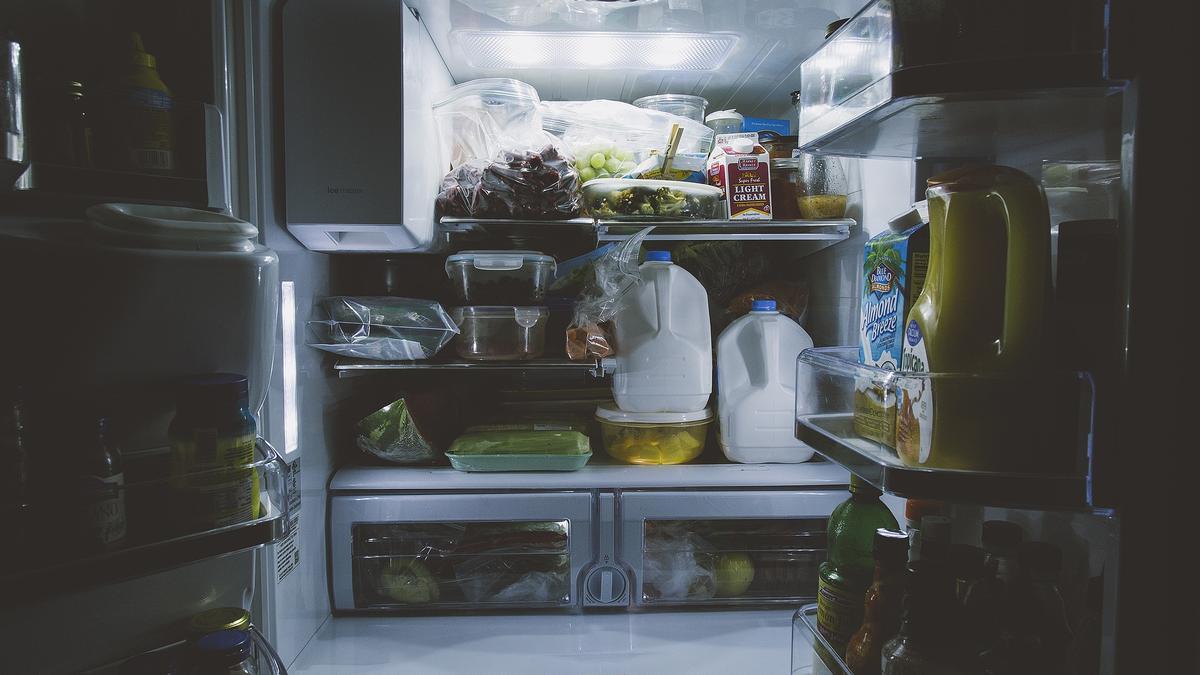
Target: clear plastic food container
pixel 500 277
pixel 519 449
pixel 691 107
pixel 638 199
pixel 725 121
pixel 653 438
pixel 495 333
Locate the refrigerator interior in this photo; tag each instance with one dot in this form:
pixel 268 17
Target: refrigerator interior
pixel 404 55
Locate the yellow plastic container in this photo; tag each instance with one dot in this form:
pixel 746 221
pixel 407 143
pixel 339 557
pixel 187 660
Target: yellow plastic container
pixel 653 438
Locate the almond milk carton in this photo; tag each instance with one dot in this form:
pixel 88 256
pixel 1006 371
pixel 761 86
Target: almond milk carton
pixel 741 167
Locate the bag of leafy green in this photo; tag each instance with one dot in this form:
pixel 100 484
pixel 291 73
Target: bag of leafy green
pixel 407 581
pixel 722 267
pixel 409 430
pixel 520 442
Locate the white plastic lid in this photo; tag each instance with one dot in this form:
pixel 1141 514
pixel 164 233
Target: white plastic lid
pixel 611 413
pixel 171 227
pixel 742 145
pixel 499 260
pixel 730 114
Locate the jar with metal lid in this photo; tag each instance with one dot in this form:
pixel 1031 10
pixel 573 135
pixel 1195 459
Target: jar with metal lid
pixel 785 186
pixel 226 652
pixel 219 619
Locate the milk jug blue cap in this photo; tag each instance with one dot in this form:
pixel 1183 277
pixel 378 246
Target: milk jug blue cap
pixel 658 256
pixel 762 306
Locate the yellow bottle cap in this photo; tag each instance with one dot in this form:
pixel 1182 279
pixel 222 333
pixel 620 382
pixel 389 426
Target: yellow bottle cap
pixel 138 56
pixel 219 618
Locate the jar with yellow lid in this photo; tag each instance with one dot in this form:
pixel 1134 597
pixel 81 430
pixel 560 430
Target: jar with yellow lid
pixel 217 619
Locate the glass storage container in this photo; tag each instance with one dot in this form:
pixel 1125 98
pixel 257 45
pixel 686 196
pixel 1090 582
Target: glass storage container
pixel 500 277
pixel 653 438
pixel 637 199
pixel 500 333
pixel 785 188
pixel 822 191
pixel 691 107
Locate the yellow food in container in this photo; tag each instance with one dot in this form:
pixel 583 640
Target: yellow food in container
pixel 653 438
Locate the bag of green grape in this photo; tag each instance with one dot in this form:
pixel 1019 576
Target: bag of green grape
pixel 608 137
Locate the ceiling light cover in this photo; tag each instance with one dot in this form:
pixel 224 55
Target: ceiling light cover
pixel 496 50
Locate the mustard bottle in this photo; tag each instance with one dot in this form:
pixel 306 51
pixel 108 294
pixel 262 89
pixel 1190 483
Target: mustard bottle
pixel 141 125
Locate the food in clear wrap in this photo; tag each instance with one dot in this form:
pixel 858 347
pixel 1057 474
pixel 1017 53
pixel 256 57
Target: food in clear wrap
pixel 635 198
pixel 408 581
pixel 538 184
pixel 620 133
pixel 723 267
pixel 382 327
pixel 514 562
pixel 590 334
pixel 414 429
pixel 524 440
pixel 677 564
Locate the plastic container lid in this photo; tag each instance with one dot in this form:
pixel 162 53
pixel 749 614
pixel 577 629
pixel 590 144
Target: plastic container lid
pixel 724 115
pixel 492 90
pixel 762 306
pixel 609 412
pixel 526 317
pixel 499 260
pixel 171 227
pixel 225 647
pixel 690 189
pixel 658 256
pixel 792 163
pixel 671 99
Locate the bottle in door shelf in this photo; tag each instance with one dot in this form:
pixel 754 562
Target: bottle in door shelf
pixel 212 452
pixel 881 607
pixel 844 577
pixel 138 131
pixel 983 311
pixel 926 643
pixel 99 509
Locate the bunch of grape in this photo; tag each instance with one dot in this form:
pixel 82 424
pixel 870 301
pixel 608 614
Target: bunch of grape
pixel 602 161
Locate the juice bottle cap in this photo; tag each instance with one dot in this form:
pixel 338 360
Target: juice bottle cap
pixel 138 55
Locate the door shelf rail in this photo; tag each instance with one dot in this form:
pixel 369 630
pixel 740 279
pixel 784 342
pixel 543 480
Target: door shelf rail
pixel 810 649
pixel 827 423
pixel 827 231
pixel 51 563
pixel 174 657
pixel 359 367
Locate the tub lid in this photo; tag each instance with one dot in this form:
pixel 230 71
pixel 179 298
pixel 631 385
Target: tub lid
pixel 499 260
pixel 611 413
pixel 724 115
pixel 527 317
pixel 171 227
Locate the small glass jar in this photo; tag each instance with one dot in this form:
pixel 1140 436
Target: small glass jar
pixel 822 191
pixel 785 186
pixel 212 452
pixel 226 652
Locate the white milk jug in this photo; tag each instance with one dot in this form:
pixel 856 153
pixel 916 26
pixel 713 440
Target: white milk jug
pixel 757 391
pixel 664 341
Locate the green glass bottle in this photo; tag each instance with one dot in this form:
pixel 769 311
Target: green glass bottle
pixel 846 573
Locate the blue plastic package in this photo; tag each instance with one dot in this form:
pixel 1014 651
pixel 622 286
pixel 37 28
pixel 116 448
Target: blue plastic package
pixel 781 127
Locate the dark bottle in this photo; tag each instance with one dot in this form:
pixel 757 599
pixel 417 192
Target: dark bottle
pixel 77 124
pixel 99 508
pixel 966 564
pixel 225 652
pixel 1044 634
pixel 926 641
pixel 16 490
pixel 845 575
pixel 989 609
pixel 881 607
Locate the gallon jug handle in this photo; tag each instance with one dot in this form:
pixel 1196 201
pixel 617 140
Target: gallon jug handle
pixel 1027 223
pixel 771 347
pixel 662 304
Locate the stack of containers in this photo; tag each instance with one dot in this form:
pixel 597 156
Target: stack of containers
pixel 663 375
pixel 503 315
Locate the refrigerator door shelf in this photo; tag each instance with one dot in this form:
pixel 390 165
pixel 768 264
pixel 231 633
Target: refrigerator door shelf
pixel 153 542
pixel 167 658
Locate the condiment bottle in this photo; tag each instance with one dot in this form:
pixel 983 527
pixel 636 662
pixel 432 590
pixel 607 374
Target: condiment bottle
pixel 139 123
pixel 881 617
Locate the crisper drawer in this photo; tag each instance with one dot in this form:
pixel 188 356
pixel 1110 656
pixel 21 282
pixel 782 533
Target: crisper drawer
pixel 724 548
pixel 445 552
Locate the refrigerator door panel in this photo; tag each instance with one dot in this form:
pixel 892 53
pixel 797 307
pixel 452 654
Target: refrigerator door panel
pixel 723 548
pixel 446 552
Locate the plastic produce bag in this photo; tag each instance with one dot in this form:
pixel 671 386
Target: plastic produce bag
pixel 509 562
pixel 614 275
pixel 409 430
pixel 678 564
pixel 380 327
pixel 531 180
pixel 478 119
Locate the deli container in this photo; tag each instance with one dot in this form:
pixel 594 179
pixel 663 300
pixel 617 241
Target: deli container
pixel 500 277
pixel 638 199
pixel 520 447
pixel 653 438
pixel 500 333
pixel 691 107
